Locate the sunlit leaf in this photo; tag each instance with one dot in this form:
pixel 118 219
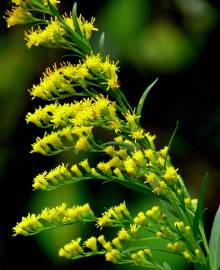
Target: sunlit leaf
pixel 214 243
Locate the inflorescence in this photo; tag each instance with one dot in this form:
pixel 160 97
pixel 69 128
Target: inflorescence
pixel 101 121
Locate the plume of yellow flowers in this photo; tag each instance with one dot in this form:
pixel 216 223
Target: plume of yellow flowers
pixel 101 121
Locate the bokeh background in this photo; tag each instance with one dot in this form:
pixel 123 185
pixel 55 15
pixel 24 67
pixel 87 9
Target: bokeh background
pixel 175 40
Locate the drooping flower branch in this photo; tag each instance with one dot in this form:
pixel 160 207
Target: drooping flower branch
pixel 128 153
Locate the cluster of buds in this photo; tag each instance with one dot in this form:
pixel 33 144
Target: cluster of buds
pixel 77 80
pixel 150 217
pixel 53 217
pixel 114 216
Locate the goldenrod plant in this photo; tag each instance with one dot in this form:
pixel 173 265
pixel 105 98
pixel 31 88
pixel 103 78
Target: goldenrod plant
pixel 128 153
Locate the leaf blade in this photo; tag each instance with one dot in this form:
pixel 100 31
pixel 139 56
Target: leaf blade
pixel 54 10
pixel 143 98
pixel 75 19
pixel 102 44
pixel 167 266
pixel 214 242
pixel 199 210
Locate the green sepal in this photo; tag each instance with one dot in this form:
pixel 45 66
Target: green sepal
pixel 214 242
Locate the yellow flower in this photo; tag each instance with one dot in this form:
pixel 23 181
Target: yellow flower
pixel 85 165
pixel 112 256
pixel 151 178
pixel 164 151
pixel 94 62
pixel 151 139
pixel 118 173
pixel 50 35
pixel 87 27
pixel 91 243
pixel 82 144
pixel 104 167
pixel 149 153
pixel 130 166
pixel 113 83
pixel 123 234
pixel 133 228
pixel 187 256
pixel 18 15
pixel 105 220
pixel 75 169
pixel 71 249
pixel 28 225
pixel 170 174
pixel 139 158
pixel 137 134
pixel 131 119
pixel 115 162
pixel 42 117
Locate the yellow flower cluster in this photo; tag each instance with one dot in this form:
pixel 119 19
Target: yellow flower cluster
pixel 116 250
pixel 31 2
pixel 85 26
pixel 181 241
pixel 106 125
pixel 80 113
pixel 114 215
pixel 143 258
pixel 66 80
pixel 53 217
pixel 48 36
pixel 123 163
pixel 21 12
pixel 150 217
pixel 18 15
pixel 54 33
pixel 78 120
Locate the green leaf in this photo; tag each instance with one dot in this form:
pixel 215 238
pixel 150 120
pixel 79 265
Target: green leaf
pixel 198 266
pixel 54 10
pixel 199 209
pixel 170 142
pixel 143 98
pixel 166 266
pixel 102 44
pixel 75 20
pixel 214 242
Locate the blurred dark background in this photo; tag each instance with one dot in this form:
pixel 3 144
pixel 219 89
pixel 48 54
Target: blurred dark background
pixel 175 40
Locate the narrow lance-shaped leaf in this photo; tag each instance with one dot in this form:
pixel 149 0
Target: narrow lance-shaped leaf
pixel 143 98
pixel 170 142
pixel 75 20
pixel 54 10
pixel 102 44
pixel 214 242
pixel 199 209
pixel 167 266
